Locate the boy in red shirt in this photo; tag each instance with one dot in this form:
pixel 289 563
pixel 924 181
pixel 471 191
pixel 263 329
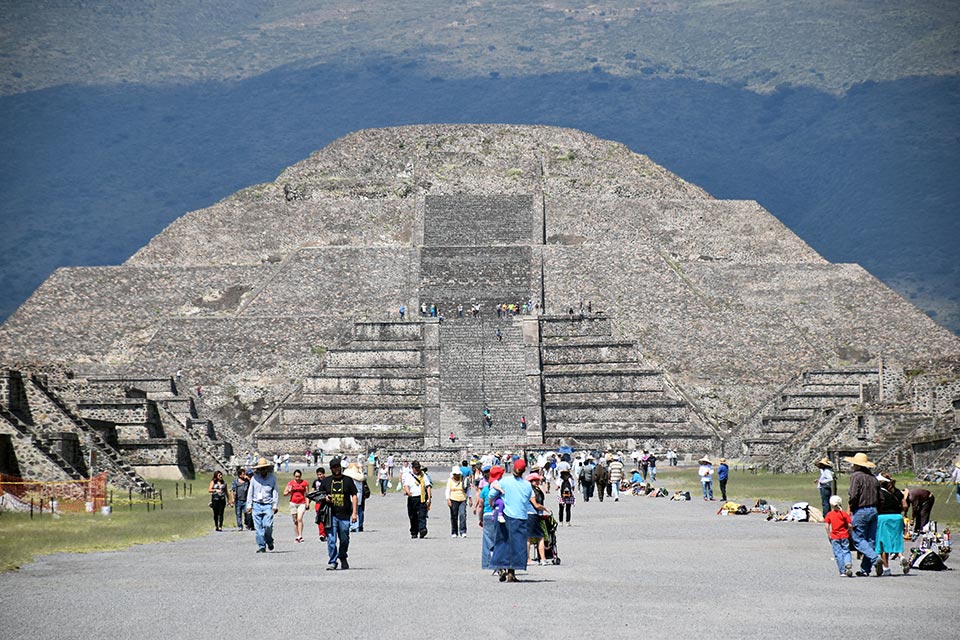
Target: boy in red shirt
pixel 838 524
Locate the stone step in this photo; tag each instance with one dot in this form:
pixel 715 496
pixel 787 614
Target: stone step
pixel 405 331
pixel 589 368
pixel 364 346
pixel 607 398
pixel 363 385
pixel 372 372
pixel 815 401
pixel 585 341
pixel 631 429
pixel 555 326
pixel 358 399
pixel 351 359
pixel 662 413
pixel 403 415
pixel 589 354
pixel 603 381
pixel 342 430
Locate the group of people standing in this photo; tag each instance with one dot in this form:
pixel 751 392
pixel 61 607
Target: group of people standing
pixel 874 526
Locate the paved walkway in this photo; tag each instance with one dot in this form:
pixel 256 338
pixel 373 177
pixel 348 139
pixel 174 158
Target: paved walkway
pixel 644 567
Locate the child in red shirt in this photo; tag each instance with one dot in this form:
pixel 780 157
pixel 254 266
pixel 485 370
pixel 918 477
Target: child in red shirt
pixel 838 524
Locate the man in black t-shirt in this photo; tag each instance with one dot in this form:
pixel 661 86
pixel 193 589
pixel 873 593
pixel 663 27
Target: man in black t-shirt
pixel 342 502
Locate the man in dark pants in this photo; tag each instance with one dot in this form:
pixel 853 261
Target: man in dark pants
pixel 922 502
pixel 723 472
pixel 239 490
pixel 419 492
pixel 586 478
pixel 342 501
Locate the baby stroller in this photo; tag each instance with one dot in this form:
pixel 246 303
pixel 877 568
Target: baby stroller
pixel 548 525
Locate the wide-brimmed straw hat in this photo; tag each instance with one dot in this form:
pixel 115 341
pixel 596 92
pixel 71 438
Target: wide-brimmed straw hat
pixel 262 463
pixel 860 459
pixel 353 471
pixel 704 460
pixel 824 462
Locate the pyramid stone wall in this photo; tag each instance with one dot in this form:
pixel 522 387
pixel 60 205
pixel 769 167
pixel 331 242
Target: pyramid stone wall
pixel 258 296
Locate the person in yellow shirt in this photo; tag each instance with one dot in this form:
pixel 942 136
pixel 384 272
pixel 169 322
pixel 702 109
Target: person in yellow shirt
pixel 456 495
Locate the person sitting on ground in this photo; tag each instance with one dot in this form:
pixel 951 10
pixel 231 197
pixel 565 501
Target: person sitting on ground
pixel 635 478
pixel 837 522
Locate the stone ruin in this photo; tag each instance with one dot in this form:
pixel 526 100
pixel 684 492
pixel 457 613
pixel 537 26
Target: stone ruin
pixel 662 317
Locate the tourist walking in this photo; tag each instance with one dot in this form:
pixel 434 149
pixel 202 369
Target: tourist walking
pixel 510 545
pixel 723 472
pixel 262 500
pixel 616 477
pixel 645 463
pixel 320 507
pixel 383 478
pixel 922 502
pixel 355 473
pixel 837 523
pixel 219 496
pixel 297 490
pixel 586 478
pixel 417 487
pixel 484 508
pixel 566 496
pixel 535 516
pixel 706 477
pixel 601 478
pixel 890 508
pixel 825 483
pixel 456 495
pixel 341 499
pixel 863 499
pixel 239 489
pixel 652 466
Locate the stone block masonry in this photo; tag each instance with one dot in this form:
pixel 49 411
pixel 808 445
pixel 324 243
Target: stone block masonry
pixel 478 370
pixel 478 221
pixel 285 296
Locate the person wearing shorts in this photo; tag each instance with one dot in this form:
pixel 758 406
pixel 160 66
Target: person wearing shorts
pixel 297 490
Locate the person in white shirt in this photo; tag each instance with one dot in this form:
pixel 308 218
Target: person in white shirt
pixel 706 477
pixel 262 500
pixel 419 491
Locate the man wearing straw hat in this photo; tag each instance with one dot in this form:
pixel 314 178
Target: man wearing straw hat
pixel 825 483
pixel 262 499
pixel 864 498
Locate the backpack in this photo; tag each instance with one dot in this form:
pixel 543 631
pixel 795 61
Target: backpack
pixel 566 489
pixel 366 491
pixel 601 476
pixel 588 473
pixel 929 561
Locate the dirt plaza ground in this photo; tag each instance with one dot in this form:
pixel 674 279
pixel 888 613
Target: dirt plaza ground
pixel 640 566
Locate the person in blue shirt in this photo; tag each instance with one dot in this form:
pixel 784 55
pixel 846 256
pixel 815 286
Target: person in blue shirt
pixel 510 546
pixel 723 471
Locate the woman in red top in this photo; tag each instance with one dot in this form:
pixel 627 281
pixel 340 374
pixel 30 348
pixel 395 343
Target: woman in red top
pixel 297 490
